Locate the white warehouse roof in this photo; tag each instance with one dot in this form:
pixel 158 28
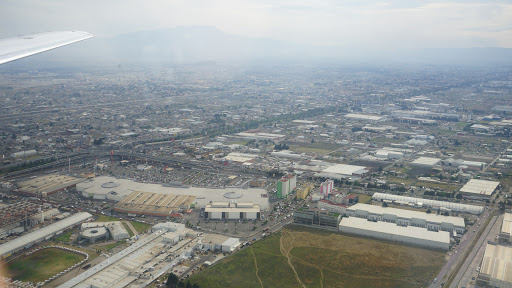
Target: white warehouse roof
pixel 483 187
pixel 42 233
pixel 343 169
pixel 426 161
pixel 497 262
pixel 390 231
pixel 473 209
pixel 432 217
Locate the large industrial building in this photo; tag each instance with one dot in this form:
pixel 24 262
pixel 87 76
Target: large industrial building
pixel 506 229
pixel 96 231
pixel 232 211
pixel 401 234
pixel 115 189
pixel 44 233
pixel 213 242
pixel 46 185
pixel 433 204
pixel 402 217
pixel 426 162
pixel 285 185
pixel 344 171
pixel 156 204
pixel 496 268
pixel 479 189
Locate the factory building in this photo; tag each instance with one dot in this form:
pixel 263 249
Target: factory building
pixel 433 204
pixel 26 153
pixel 506 229
pixel 285 185
pixel 232 211
pixel 344 171
pixel 426 162
pixel 47 185
pixel 402 217
pixel 496 268
pixel 316 217
pixel 156 204
pixel 213 242
pixel 42 234
pixel 401 234
pixel 96 231
pixel 479 189
pixel 326 187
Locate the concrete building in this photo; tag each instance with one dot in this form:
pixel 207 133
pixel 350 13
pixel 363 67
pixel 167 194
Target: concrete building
pixel 343 171
pixel 401 234
pixel 479 189
pixel 427 203
pixel 156 204
pixel 42 234
pixel 426 162
pixel 93 235
pixel 304 191
pixel 116 230
pixel 316 217
pixel 402 217
pixel 285 185
pixel 506 229
pixel 326 187
pixel 232 211
pixel 496 268
pixel 168 226
pixel 332 207
pixel 212 242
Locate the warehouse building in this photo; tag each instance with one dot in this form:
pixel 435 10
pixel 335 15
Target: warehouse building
pixel 344 171
pixel 232 211
pixel 213 242
pixel 402 217
pixel 506 229
pixel 401 234
pixel 496 268
pixel 47 185
pixel 479 189
pixel 42 234
pixel 156 204
pixel 426 162
pixel 433 204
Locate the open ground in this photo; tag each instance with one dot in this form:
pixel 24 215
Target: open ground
pixel 42 264
pixel 306 257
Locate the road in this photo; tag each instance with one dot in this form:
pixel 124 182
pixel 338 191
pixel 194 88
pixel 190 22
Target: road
pixel 459 252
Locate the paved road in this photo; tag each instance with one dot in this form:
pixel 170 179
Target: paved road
pixel 459 252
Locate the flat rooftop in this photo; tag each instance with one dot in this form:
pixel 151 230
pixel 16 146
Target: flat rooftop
pixel 122 188
pixel 343 169
pixel 141 201
pixel 40 234
pixel 432 217
pixel 497 262
pixel 426 161
pixel 363 116
pixel 482 187
pixel 48 183
pixel 393 229
pixel 506 227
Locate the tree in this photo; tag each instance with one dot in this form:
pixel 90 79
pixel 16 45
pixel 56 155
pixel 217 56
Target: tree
pixel 172 281
pixel 429 211
pixel 384 204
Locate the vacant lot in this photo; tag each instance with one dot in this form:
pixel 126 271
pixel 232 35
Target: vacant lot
pixel 320 148
pixel 42 265
pixel 305 257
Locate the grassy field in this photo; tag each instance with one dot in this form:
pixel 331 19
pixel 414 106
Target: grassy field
pixel 317 258
pixel 363 198
pixel 105 218
pixel 130 232
pixel 140 227
pixel 42 264
pixel 64 237
pixel 319 148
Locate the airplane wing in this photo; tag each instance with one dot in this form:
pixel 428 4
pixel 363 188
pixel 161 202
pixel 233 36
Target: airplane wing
pixel 23 46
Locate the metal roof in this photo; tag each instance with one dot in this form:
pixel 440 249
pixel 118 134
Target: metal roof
pixel 477 186
pixel 497 262
pixel 42 233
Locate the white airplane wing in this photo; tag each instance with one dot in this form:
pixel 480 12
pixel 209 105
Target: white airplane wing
pixel 23 46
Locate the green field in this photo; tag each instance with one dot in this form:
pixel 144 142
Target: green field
pixel 320 148
pixel 300 256
pixel 42 265
pixel 64 237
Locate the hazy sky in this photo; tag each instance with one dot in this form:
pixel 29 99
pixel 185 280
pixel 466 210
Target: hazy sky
pixel 349 23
